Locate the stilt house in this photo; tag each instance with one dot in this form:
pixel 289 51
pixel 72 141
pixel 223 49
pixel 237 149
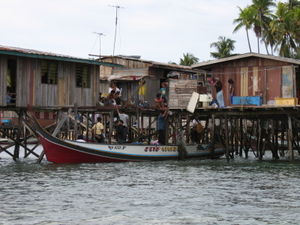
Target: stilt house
pixel 272 78
pixel 42 79
pixel 153 73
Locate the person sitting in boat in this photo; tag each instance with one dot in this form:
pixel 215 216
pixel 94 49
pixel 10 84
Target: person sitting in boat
pixel 121 132
pixel 196 131
pixel 98 130
pixel 80 138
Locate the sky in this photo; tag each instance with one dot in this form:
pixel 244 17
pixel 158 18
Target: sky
pixel 158 30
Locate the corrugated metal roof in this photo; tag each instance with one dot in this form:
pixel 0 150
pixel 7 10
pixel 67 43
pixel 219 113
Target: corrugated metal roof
pixel 247 55
pixel 156 64
pixel 15 51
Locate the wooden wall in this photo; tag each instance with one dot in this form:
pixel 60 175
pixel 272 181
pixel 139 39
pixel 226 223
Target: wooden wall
pixel 180 92
pixel 3 68
pixel 253 77
pixel 30 90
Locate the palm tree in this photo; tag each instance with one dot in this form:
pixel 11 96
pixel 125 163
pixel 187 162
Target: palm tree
pixel 293 3
pixel 245 19
pixel 262 18
pixel 188 59
pixel 285 28
pixel 224 47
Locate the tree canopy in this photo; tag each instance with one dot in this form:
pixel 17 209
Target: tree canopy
pixel 188 59
pixel 224 47
pixel 275 25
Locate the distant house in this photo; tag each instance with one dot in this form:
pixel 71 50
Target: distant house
pixel 135 70
pixel 256 75
pixel 35 78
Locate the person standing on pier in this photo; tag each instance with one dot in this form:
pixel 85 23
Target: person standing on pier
pixel 161 126
pixel 231 89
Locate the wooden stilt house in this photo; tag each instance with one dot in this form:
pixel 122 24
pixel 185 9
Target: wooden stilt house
pixel 42 79
pixel 135 70
pixel 273 79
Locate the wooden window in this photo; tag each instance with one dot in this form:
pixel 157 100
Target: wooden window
pixel 49 71
pixel 83 76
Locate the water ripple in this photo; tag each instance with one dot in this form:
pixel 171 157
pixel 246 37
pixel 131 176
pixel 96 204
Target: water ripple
pixel 174 192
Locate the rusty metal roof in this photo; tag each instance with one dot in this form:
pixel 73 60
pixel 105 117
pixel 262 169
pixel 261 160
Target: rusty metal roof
pixel 156 64
pixel 246 55
pixel 22 52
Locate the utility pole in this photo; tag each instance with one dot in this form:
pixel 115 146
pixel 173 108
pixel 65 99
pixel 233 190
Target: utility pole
pixel 117 7
pixel 100 34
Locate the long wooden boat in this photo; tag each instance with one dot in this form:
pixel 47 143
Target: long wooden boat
pixel 64 151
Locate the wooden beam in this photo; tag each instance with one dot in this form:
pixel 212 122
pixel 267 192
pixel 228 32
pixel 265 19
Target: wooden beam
pixel 290 138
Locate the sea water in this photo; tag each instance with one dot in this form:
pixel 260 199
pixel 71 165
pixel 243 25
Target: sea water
pixel 241 191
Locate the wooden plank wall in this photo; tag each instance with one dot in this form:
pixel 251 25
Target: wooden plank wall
pixel 256 77
pixel 3 68
pixel 30 90
pixel 180 92
pixel 23 86
pixel 83 96
pixel 45 94
pixel 152 88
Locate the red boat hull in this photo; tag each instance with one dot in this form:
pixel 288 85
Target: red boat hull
pixel 60 154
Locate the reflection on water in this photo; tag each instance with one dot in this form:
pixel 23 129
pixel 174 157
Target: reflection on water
pixel 173 192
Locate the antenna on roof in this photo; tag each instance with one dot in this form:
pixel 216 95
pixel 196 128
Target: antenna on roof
pixel 116 24
pixel 100 34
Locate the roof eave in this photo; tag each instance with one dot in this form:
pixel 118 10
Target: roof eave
pixel 58 58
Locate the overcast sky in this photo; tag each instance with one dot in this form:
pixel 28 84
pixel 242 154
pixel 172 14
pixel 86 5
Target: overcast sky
pixel 158 30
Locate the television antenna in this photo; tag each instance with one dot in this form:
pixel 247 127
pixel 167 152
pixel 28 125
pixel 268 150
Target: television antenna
pixel 99 34
pixel 117 7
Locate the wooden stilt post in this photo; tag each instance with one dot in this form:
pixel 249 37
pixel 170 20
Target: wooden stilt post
pixel 226 138
pixel 213 135
pixel 75 121
pixel 259 139
pixel 111 121
pixel 241 138
pixel 149 129
pixel 87 125
pixel 290 138
pixel 17 144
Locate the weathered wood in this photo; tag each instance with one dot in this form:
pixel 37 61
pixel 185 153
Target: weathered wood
pixel 17 145
pixel 226 139
pixel 290 139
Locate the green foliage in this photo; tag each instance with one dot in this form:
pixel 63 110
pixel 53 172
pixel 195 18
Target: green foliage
pixel 224 47
pixel 245 19
pixel 188 59
pixel 278 29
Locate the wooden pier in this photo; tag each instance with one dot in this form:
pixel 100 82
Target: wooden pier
pixel 240 130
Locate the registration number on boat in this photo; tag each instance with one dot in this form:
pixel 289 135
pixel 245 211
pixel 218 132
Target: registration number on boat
pixel 116 147
pixel 159 148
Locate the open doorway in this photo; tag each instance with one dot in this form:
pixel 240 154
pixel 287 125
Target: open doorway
pixel 11 78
